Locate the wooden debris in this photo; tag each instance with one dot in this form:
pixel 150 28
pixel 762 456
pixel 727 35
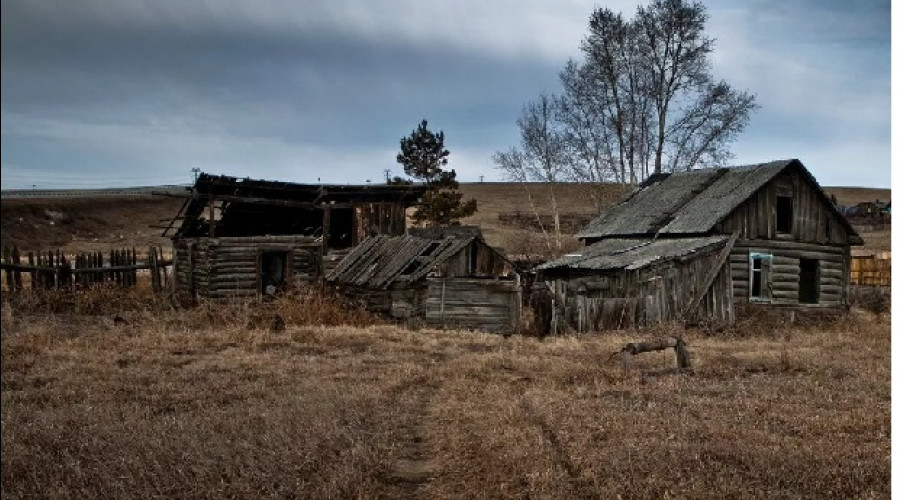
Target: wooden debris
pixel 682 354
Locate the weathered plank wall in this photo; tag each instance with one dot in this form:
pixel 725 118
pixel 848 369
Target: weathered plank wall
pixel 625 298
pixel 226 268
pixel 834 268
pixel 482 304
pixel 373 218
pixel 813 221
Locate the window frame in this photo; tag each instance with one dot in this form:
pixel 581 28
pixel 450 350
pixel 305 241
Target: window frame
pixel 762 275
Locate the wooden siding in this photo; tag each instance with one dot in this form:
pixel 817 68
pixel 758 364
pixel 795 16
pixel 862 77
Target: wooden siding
pixel 785 271
pixel 812 221
pixel 487 262
pixel 626 298
pixel 227 268
pixel 378 218
pixel 471 303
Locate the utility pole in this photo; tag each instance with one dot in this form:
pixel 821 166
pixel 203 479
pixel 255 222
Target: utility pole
pixel 481 179
pixel 387 176
pixel 196 172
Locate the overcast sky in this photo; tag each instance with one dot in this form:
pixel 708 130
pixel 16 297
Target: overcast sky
pixel 122 92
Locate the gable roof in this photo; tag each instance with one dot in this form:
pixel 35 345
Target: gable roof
pixel 380 261
pixel 633 253
pixel 693 202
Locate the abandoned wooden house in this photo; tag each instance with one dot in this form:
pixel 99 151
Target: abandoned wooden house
pixel 706 245
pixel 246 238
pixel 439 280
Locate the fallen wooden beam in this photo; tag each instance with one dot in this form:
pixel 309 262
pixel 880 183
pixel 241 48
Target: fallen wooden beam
pixel 682 354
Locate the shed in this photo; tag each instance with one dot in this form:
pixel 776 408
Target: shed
pixel 788 245
pixel 244 237
pixel 454 281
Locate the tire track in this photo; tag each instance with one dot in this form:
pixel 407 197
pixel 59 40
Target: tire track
pixel 558 454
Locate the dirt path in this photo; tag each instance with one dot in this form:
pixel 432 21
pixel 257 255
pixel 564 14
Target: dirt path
pixel 412 465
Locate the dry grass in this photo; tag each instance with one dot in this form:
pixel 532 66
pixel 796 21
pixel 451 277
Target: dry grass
pixel 196 404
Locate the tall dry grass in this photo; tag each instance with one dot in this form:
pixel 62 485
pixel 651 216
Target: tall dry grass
pixel 195 404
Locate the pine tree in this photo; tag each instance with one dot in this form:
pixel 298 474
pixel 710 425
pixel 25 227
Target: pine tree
pixel 424 158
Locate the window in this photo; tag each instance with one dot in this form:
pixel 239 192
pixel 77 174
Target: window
pixel 760 276
pixel 784 214
pixel 808 292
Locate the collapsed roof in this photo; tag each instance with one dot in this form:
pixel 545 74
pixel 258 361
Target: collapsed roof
pixel 382 261
pixel 633 253
pixel 248 207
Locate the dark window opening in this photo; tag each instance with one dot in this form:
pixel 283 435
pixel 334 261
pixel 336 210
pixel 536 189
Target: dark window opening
pixel 340 228
pixel 828 228
pixel 273 271
pixel 756 278
pixel 809 281
pixel 784 214
pixel 760 265
pixel 473 259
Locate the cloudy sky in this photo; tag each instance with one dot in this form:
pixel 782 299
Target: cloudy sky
pixel 123 92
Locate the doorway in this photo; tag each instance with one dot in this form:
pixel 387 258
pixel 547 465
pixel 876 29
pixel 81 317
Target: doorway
pixel 808 292
pixel 274 271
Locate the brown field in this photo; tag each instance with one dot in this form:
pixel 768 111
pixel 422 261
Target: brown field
pixel 206 404
pixel 85 224
pixel 104 223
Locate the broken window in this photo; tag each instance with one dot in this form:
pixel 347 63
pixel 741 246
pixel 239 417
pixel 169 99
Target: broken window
pixel 809 281
pixel 784 214
pixel 760 276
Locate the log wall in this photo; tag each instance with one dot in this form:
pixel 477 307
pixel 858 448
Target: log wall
pixel 834 265
pixel 227 268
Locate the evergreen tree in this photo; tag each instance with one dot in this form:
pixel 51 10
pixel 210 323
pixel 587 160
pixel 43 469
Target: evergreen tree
pixel 424 158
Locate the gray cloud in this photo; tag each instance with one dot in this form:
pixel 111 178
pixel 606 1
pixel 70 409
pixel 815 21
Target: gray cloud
pixel 111 92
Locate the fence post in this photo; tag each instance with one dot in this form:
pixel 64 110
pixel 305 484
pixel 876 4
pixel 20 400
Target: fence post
pixel 17 275
pixel 34 280
pixel 10 283
pixel 154 269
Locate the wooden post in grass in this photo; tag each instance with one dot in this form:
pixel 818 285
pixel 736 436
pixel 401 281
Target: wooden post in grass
pixel 31 262
pixel 17 275
pixel 154 277
pixel 10 283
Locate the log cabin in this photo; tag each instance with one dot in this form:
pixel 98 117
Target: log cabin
pixel 241 238
pixel 436 277
pixel 706 245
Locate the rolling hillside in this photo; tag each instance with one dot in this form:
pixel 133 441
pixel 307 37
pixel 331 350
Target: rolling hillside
pixel 101 222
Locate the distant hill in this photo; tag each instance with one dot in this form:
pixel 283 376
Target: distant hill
pixel 98 219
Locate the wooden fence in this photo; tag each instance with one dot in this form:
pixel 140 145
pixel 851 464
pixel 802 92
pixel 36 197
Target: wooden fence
pixel 55 270
pixel 871 269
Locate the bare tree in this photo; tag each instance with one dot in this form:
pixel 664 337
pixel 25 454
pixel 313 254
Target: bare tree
pixel 542 158
pixel 643 97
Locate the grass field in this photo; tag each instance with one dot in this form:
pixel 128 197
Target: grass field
pixel 205 403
